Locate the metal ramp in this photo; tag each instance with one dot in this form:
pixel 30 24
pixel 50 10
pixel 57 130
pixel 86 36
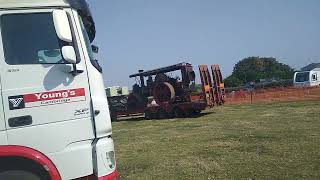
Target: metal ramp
pixel 207 87
pixel 218 84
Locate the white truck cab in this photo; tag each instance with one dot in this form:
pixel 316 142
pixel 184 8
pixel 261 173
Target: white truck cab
pixel 54 115
pixel 307 78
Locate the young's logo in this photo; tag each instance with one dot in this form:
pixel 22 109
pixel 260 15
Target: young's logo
pixel 16 102
pixel 46 98
pixel 52 95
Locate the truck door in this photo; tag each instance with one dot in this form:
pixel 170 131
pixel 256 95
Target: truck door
pixel 46 106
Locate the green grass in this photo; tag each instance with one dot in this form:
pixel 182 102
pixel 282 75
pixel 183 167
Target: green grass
pixel 259 141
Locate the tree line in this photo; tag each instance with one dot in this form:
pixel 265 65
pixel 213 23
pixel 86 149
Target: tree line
pixel 254 69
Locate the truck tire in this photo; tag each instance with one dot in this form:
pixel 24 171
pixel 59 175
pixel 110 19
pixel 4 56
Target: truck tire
pixel 17 174
pixel 21 169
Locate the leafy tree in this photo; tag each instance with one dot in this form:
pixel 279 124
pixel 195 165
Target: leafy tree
pixel 255 68
pixel 232 81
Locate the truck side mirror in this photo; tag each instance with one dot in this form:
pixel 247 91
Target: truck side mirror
pixel 62 26
pixel 95 49
pixel 69 54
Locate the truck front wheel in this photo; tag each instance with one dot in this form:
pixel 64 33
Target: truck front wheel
pixel 16 174
pixel 21 169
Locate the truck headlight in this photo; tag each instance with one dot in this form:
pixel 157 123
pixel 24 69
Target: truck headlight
pixel 111 159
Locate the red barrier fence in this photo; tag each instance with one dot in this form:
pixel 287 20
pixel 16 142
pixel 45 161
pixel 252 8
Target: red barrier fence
pixel 273 94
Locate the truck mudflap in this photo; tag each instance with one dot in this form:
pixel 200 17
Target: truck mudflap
pixel 104 162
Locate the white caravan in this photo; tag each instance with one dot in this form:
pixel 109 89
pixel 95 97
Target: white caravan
pixel 54 117
pixel 307 78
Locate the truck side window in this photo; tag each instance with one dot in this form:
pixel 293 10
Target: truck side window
pixel 88 46
pixel 30 39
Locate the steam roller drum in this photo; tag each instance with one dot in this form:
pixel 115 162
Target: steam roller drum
pixel 164 92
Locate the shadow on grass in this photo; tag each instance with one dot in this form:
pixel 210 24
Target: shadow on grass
pixel 141 118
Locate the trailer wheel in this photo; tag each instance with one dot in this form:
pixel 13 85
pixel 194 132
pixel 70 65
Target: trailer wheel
pixel 113 116
pixel 148 115
pixel 170 114
pixel 188 113
pixel 196 112
pixel 178 113
pixel 162 114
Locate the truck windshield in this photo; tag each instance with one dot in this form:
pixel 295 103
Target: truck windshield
pixel 30 38
pixel 302 77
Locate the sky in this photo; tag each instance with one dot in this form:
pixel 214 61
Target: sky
pixel 147 34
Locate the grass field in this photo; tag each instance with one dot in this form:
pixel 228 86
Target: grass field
pixel 259 141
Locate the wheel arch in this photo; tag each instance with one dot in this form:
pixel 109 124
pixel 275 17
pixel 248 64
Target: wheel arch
pixel 11 152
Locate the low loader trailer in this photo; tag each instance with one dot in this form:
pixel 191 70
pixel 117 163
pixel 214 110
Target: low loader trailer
pixel 158 95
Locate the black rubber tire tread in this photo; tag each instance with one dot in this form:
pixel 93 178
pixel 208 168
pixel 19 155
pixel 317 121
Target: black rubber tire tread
pixel 21 169
pixel 178 113
pixel 188 113
pixel 162 114
pixel 148 115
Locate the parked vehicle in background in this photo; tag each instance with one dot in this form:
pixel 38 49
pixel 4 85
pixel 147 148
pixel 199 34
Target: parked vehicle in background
pixel 54 123
pixel 117 91
pixel 307 78
pixel 117 98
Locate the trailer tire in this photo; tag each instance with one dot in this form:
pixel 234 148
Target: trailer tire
pixel 113 117
pixel 188 113
pixel 148 115
pixel 196 112
pixel 171 114
pixel 178 113
pixel 162 114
